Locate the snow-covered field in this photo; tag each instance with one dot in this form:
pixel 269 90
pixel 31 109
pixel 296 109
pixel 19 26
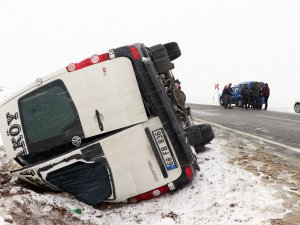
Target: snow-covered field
pixel 241 182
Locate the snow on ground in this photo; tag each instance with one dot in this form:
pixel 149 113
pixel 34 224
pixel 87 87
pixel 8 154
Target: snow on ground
pixel 239 183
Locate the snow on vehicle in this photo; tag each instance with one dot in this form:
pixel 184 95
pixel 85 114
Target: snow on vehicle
pixel 112 127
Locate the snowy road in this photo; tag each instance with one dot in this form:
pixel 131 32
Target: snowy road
pixel 282 128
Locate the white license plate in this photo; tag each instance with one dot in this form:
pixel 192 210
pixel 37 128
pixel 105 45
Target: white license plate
pixel 164 149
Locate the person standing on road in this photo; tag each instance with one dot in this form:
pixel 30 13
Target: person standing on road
pixel 223 96
pixel 245 96
pixel 266 94
pixel 227 96
pixel 260 97
pixel 224 90
pixel 255 95
pixel 250 106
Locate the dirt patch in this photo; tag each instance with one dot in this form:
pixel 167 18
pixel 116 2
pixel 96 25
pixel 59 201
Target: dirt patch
pixel 274 168
pixel 171 215
pixel 18 206
pixel 276 221
pixel 5 178
pixel 24 216
pixel 104 206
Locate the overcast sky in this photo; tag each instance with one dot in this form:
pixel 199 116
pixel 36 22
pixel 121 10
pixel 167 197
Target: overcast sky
pixel 221 41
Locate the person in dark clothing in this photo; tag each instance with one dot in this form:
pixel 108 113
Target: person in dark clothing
pixel 222 98
pixel 250 98
pixel 224 90
pixel 227 96
pixel 266 94
pixel 245 96
pixel 255 95
pixel 260 96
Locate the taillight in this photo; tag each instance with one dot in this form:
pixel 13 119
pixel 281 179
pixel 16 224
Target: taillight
pixel 150 194
pixel 88 62
pixel 189 173
pixel 135 53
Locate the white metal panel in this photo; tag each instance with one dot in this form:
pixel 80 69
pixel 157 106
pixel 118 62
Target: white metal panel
pixel 132 161
pixel 111 88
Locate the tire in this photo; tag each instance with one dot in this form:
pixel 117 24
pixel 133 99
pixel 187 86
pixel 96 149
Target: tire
pixel 221 102
pixel 199 148
pixel 207 133
pixel 173 50
pixel 297 107
pixel 199 135
pixel 239 102
pixel 161 59
pixel 194 135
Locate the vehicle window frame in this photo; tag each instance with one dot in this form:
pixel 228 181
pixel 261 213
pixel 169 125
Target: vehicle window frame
pixel 33 147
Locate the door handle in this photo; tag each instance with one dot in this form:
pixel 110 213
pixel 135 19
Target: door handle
pixel 100 124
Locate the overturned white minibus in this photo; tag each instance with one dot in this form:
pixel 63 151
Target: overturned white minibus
pixel 113 127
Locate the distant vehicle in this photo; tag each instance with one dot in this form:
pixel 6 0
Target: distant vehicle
pixel 297 106
pixel 113 127
pixel 236 93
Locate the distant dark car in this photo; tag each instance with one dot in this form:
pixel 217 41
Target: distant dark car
pixel 236 93
pixel 297 106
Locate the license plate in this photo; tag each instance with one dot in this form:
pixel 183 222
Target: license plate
pixel 164 149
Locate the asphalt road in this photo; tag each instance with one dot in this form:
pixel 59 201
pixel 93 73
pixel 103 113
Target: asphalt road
pixel 281 129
